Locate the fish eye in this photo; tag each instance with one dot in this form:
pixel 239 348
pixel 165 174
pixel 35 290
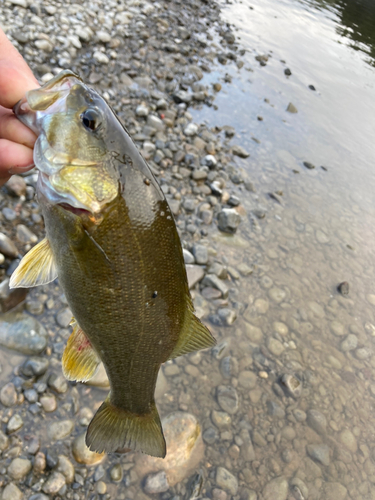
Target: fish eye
pixel 91 119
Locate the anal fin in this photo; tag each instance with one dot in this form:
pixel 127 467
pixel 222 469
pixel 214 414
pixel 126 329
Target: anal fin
pixel 36 268
pixel 79 360
pixel 193 337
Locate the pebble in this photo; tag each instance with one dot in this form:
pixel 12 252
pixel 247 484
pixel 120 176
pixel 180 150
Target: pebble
pixel 82 454
pixel 54 483
pixel 348 439
pixel 247 379
pixel 31 395
pixel 7 247
pixel 338 328
pixel 291 108
pixel 15 423
pixel 317 421
pixel 226 480
pixel 194 274
pixel 19 468
pixel 319 453
pixel 227 316
pixel 8 395
pixel 40 463
pixel 156 483
pixel 116 473
pixel 25 235
pixel 48 402
pixel 343 288
pixel 188 257
pixel 298 486
pixel 66 468
pixel 350 343
pixel 16 186
pixel 276 489
pixel 11 492
pixel 60 430
pixel 253 333
pixel 4 441
pixel 240 151
pixel 228 220
pixel 210 435
pixel 101 488
pixel 334 491
pixel 211 280
pixel 275 410
pixel 191 129
pixel 22 333
pixel 64 317
pixel 200 253
pixel 291 385
pixel 227 398
pixel 277 294
pixel 58 383
pixel 275 346
pixel 221 419
pixel 35 366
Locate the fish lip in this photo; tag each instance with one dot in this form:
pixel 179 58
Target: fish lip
pixel 75 211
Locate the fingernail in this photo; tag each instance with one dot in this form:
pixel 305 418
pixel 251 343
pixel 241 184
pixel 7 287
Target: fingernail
pixel 19 170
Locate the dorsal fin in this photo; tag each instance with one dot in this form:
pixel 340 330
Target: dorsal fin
pixel 79 360
pixel 193 337
pixel 36 268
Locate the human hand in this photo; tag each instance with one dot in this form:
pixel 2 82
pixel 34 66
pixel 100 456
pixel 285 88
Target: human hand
pixel 16 140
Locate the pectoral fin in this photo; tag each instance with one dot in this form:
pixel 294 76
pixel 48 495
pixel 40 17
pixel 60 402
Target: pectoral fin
pixel 36 268
pixel 79 360
pixel 194 336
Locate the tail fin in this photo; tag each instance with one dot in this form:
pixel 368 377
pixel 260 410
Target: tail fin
pixel 113 428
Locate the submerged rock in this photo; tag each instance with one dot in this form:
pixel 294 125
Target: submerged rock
pixel 82 454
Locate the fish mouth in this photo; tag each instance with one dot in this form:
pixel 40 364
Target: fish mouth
pixel 80 212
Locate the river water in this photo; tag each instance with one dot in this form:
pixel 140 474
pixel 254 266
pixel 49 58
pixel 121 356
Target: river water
pixel 306 231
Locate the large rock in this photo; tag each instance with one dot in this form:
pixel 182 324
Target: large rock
pixel 184 449
pixel 22 333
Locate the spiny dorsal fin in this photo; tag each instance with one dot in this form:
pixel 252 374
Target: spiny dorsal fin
pixel 193 337
pixel 36 268
pixel 79 360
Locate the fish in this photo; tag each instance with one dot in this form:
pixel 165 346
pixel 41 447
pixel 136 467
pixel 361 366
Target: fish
pixel 112 241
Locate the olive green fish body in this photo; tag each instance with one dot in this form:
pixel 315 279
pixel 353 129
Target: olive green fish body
pixel 113 243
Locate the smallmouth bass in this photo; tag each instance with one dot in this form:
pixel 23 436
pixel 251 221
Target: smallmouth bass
pixel 112 241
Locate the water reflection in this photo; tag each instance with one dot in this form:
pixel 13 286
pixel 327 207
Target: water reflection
pixel 356 22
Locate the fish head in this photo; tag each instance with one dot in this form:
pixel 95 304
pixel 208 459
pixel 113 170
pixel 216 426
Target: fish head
pixel 72 123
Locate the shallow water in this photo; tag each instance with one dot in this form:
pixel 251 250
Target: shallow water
pixel 318 233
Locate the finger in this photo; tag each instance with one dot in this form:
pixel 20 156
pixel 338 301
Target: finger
pixel 15 75
pixel 14 158
pixel 12 129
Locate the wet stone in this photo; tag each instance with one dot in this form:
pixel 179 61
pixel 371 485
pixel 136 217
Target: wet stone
pixel 194 274
pixel 35 366
pixel 275 346
pixel 258 439
pixel 22 333
pixel 64 317
pixel 229 220
pixel 240 151
pixel 317 421
pixel 8 395
pixel 227 316
pixel 363 353
pixel 211 280
pixel 101 488
pixel 48 402
pixel 16 186
pixel 40 463
pixel 299 488
pixel 19 468
pixel 156 483
pixel 60 430
pixel 188 257
pixel 227 398
pixel 31 395
pixel 54 483
pixel 7 247
pixel 338 328
pixel 218 494
pixel 116 473
pixel 276 489
pixel 319 453
pixel 11 492
pixel 343 288
pixel 348 439
pixel 334 491
pixel 58 383
pixel 200 253
pixel 247 379
pixel 221 419
pixel 226 480
pixel 275 410
pixel 291 108
pixel 277 294
pixel 15 423
pixel 210 435
pixel 25 235
pixel 82 454
pixel 291 385
pixel 350 343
